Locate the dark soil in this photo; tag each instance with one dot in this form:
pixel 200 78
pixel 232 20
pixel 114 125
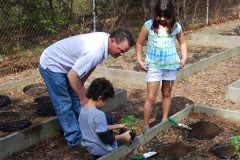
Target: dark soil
pixel 6 117
pixel 204 130
pixel 35 90
pixel 4 100
pixel 172 150
pixel 223 150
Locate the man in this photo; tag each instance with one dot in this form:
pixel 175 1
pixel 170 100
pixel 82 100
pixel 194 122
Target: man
pixel 65 67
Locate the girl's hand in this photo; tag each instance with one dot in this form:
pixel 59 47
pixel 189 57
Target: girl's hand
pixel 182 63
pixel 143 66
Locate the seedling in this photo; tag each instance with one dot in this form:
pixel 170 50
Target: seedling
pixel 131 121
pixel 236 144
pixel 128 121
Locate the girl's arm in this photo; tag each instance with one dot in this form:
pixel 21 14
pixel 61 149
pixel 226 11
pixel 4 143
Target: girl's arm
pixel 139 45
pixel 181 40
pixel 115 126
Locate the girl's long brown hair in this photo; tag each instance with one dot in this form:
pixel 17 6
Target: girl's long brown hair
pixel 165 7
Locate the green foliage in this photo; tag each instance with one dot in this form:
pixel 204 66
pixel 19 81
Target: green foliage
pixel 197 26
pixel 38 49
pixel 128 121
pixel 131 120
pixel 184 78
pixel 236 143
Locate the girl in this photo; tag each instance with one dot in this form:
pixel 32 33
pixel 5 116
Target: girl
pixel 162 61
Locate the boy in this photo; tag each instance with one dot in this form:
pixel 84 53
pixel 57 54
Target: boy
pixel 97 136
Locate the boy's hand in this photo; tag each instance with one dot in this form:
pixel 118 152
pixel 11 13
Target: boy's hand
pixel 122 125
pixel 126 136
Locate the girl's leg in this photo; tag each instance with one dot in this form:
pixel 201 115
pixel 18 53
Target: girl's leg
pixel 152 91
pixel 166 98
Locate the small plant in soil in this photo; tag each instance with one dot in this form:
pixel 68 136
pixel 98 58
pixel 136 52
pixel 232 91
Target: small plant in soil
pixel 133 124
pixel 236 143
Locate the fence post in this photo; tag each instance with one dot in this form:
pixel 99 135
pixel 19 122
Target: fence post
pixel 207 14
pixel 114 8
pixel 238 8
pixel 94 15
pixel 46 11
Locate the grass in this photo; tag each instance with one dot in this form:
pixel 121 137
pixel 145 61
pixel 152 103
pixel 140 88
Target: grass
pixel 184 78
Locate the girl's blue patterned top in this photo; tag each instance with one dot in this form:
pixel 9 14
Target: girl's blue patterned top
pixel 161 50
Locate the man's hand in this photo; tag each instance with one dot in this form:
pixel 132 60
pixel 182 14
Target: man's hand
pixel 77 86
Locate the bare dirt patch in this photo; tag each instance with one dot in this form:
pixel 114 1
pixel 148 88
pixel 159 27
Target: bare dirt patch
pixel 204 130
pixel 172 150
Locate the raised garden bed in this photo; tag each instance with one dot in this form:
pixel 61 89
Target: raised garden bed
pixel 235 31
pixel 163 133
pixel 233 91
pixel 224 34
pixel 21 138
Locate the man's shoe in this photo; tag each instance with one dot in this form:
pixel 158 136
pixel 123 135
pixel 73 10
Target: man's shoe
pixel 79 148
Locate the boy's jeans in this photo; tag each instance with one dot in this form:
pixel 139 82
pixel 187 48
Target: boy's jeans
pixel 65 102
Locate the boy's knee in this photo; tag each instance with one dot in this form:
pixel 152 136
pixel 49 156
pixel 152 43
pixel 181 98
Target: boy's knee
pixel 110 120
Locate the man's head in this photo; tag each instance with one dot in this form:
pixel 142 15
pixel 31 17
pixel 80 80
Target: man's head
pixel 100 90
pixel 120 42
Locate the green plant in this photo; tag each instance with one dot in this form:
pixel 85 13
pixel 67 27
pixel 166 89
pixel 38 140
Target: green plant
pixel 184 78
pixel 128 121
pixel 132 122
pixel 236 143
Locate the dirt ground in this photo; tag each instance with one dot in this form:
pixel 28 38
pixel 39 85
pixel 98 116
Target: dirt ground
pixel 207 88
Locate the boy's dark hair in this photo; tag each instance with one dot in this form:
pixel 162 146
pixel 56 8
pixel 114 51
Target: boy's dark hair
pixel 100 87
pixel 165 7
pixel 121 35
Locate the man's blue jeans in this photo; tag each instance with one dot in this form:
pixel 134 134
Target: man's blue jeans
pixel 65 102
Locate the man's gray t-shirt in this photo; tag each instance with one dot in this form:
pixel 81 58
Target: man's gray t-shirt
pixel 92 121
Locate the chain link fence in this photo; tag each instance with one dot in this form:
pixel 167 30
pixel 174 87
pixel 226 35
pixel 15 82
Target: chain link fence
pixel 28 26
